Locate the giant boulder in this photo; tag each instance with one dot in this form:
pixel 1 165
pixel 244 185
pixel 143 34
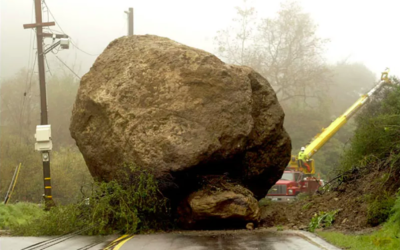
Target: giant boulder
pixel 181 113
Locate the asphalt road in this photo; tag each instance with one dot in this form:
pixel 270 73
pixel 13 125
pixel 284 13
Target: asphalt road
pixel 230 240
pixel 195 240
pixel 53 243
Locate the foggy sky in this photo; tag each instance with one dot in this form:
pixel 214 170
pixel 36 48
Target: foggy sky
pixel 361 31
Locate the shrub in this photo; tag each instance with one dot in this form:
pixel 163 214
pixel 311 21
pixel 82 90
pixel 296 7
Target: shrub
pixel 380 209
pixel 322 219
pixel 132 204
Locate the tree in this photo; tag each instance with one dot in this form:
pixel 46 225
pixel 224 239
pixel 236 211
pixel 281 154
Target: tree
pixel 19 105
pixel 234 43
pixel 284 49
pixel 292 54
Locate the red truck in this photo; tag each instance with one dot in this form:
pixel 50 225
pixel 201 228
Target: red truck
pixel 291 184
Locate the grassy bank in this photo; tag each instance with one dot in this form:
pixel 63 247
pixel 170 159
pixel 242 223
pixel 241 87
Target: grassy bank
pixel 18 214
pixel 386 238
pixel 381 240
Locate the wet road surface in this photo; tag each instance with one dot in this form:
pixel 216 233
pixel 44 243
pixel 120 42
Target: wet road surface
pixel 51 243
pixel 187 240
pixel 224 241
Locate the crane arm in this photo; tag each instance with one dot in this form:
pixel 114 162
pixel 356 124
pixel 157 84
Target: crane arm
pixel 320 139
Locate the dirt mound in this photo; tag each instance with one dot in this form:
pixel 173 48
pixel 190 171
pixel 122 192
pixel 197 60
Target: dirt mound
pixel 351 195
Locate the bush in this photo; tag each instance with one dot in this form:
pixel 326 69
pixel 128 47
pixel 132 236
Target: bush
pixel 130 205
pixel 380 209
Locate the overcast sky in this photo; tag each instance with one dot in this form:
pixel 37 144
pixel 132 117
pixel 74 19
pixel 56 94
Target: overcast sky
pixel 362 31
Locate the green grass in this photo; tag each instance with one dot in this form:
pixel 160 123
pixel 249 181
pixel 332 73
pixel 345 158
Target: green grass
pixel 387 238
pixel 375 241
pixel 18 214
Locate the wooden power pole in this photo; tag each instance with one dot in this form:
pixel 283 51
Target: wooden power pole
pixel 43 98
pixel 130 21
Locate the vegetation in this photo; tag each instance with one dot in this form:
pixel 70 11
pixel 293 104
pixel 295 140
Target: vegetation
pixel 375 241
pixel 380 209
pixel 18 214
pixel 133 204
pixel 285 49
pixel 264 202
pixel 322 219
pixel 386 238
pixel 69 173
pixel 377 137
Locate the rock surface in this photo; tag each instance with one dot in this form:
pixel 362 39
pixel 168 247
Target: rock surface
pixel 181 113
pixel 219 204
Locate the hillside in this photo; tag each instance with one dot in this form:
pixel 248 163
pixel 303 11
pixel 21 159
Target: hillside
pixel 364 193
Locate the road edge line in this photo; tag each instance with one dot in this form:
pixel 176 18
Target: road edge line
pixel 313 238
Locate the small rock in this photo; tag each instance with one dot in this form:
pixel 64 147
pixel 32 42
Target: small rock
pixel 231 204
pixel 336 199
pixel 250 226
pixel 302 227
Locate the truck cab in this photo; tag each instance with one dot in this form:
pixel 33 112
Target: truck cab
pixel 287 188
pixel 291 184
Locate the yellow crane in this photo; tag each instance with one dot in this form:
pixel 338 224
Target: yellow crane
pixel 320 139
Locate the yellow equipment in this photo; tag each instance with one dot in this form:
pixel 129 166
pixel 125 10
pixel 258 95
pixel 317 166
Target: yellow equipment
pixel 320 139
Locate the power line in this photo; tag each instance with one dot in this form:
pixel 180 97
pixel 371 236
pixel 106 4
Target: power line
pixel 55 20
pixel 24 97
pixel 67 66
pixel 31 47
pixel 32 71
pixel 48 67
pixel 82 50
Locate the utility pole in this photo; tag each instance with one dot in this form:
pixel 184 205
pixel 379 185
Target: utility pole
pixel 130 21
pixel 43 132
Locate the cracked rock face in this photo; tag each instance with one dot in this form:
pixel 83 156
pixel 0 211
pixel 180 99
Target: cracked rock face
pixel 180 112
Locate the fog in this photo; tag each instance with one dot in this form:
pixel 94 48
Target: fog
pixel 359 31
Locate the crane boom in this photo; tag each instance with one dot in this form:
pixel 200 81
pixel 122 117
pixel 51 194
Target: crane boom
pixel 320 139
